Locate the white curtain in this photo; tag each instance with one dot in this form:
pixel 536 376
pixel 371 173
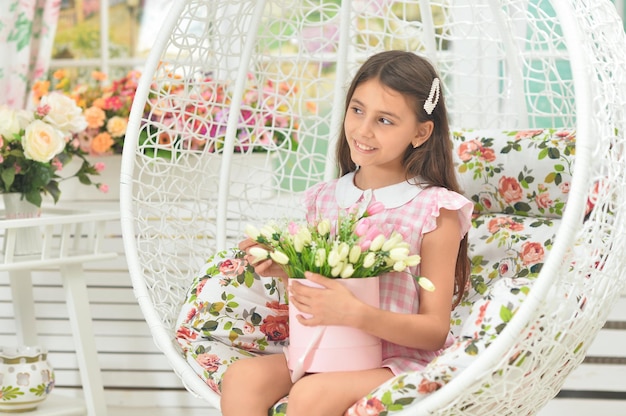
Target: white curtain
pixel 27 29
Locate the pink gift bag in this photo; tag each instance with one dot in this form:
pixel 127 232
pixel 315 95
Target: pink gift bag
pixel 340 348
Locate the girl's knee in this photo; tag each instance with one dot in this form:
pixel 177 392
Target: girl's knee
pixel 305 397
pixel 236 374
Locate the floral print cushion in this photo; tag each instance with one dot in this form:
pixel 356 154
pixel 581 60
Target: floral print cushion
pixel 230 312
pixel 486 320
pixel 516 172
pixel 503 246
pixel 518 181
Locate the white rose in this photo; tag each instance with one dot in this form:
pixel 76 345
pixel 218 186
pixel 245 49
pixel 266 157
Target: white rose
pixel 42 141
pixel 64 113
pixel 9 122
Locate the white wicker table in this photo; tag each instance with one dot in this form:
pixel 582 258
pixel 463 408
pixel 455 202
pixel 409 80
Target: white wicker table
pixel 70 238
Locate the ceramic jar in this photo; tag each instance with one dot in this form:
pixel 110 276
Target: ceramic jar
pixel 26 378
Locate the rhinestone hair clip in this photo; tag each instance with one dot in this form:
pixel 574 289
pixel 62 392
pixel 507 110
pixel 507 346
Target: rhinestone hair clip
pixel 433 97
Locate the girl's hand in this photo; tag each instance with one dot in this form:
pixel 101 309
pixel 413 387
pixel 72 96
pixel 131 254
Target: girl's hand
pixel 332 304
pixel 265 267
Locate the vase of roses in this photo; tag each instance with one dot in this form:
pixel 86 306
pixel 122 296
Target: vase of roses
pixel 106 106
pixel 34 147
pixel 354 251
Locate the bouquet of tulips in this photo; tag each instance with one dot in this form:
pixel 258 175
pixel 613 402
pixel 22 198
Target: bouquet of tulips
pixel 351 247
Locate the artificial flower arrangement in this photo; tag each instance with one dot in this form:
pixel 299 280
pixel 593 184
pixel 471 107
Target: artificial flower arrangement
pixel 106 106
pixel 35 145
pixel 198 119
pixel 352 247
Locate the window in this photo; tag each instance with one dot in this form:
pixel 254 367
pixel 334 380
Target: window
pixel 112 36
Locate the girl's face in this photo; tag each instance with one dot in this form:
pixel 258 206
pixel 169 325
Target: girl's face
pixel 379 125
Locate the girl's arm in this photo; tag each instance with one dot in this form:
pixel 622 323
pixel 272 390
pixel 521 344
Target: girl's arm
pixel 426 330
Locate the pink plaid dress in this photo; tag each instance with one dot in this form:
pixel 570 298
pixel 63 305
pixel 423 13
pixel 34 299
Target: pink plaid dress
pixel 412 211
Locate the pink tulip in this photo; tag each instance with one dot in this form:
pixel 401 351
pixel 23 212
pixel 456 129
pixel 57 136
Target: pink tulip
pixel 375 208
pixel 293 228
pixel 362 227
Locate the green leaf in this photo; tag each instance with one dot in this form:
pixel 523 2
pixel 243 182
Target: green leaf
pixel 22 33
pixel 256 319
pixel 554 153
pixel 505 314
pixel 8 176
pixel 34 197
pixel 209 326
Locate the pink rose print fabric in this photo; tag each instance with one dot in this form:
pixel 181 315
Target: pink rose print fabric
pixel 519 183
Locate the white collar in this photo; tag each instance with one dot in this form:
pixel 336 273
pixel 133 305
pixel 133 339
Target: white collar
pixel 392 196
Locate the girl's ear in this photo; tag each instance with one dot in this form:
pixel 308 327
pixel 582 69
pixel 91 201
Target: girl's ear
pixel 424 131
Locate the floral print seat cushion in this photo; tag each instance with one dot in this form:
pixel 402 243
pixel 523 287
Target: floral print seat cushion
pixel 229 313
pixel 519 182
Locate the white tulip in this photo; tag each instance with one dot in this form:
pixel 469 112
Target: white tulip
pixel 252 232
pixel 393 241
pixel 355 253
pixel 399 253
pixel 343 250
pixel 279 257
pixel 413 260
pixel 333 258
pixel 323 227
pixel 335 271
pixel 258 253
pixel 426 284
pixel 347 271
pixel 369 260
pixel 320 257
pixel 377 242
pixel 399 266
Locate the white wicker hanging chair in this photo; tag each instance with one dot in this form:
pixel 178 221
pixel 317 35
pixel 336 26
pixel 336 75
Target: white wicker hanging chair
pixel 505 64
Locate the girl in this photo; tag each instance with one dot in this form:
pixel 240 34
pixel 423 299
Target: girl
pixel 395 141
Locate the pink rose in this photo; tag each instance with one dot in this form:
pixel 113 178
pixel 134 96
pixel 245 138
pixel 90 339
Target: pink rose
pixel 200 286
pixel 499 223
pixel 209 362
pixel 532 253
pixel 281 309
pixel 104 188
pixel 481 313
pixel 510 189
pixel 527 133
pixel 426 387
pixel 232 267
pixel 366 407
pixel 506 268
pixel 248 328
pixel 543 200
pixel 487 154
pixel 186 334
pixel 213 385
pixel 468 149
pixel 276 328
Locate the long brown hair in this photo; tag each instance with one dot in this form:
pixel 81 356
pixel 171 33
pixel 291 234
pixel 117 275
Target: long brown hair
pixel 412 76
